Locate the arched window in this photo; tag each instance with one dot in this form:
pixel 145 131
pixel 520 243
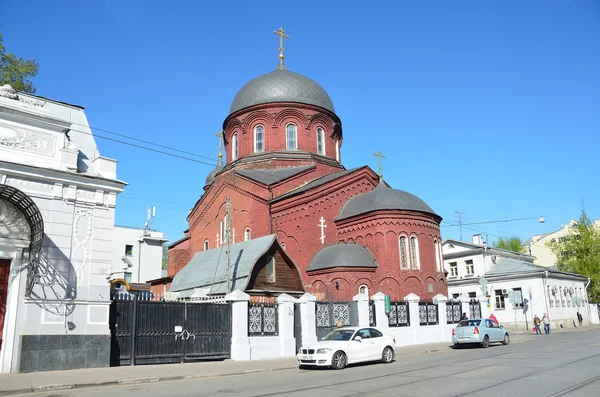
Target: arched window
pixel 259 138
pixel 337 150
pixel 234 147
pixel 414 252
pixel 292 140
pixel 363 289
pixel 270 269
pixel 403 252
pixel 436 247
pixel 320 141
pixel 247 234
pixel 283 246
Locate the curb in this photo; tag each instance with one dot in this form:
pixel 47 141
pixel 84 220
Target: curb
pixel 132 381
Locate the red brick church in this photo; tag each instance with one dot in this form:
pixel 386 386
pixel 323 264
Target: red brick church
pixel 345 229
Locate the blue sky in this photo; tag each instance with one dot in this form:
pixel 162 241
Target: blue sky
pixel 488 108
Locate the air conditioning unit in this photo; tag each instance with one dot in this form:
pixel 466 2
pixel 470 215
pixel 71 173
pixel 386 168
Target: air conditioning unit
pixel 504 292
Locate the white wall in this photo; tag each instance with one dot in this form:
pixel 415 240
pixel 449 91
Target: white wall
pixel 147 250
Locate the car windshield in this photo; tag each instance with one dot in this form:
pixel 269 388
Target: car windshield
pixel 339 334
pixel 469 323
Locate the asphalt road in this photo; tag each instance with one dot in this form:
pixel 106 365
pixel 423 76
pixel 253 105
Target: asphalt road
pixel 562 364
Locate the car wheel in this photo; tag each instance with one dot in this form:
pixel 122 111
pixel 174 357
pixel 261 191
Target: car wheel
pixel 457 346
pixel 486 342
pixel 339 360
pixel 506 340
pixel 388 355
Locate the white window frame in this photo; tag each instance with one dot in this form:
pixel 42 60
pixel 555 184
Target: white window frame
pixel 321 138
pixel 436 247
pixel 234 146
pixel 470 267
pixel 499 302
pixel 406 264
pixel 453 269
pixel 287 136
pixel 247 234
pixel 337 150
pixel 256 150
pixel 206 245
pixel 271 264
pixel 414 256
pixel 366 288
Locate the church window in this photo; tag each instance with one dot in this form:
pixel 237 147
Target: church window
pixel 320 141
pixel 221 238
pixel 234 147
pixel 270 269
pixel 337 150
pixel 205 245
pixel 292 140
pixel 414 252
pixel 363 289
pixel 247 234
pixel 403 252
pixel 436 247
pixel 283 246
pixel 259 138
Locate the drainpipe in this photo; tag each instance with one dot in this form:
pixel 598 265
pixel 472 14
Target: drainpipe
pixel 587 300
pixel 546 292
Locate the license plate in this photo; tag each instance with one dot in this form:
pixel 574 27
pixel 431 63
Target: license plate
pixel 305 358
pixel 464 339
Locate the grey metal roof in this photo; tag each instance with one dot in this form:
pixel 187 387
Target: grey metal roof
pixel 382 198
pixel 342 255
pixel 210 178
pixel 270 176
pixel 208 269
pixel 507 266
pixel 318 182
pixel 281 85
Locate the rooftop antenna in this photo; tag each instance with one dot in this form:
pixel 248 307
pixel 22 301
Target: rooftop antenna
pixel 150 214
pixel 460 222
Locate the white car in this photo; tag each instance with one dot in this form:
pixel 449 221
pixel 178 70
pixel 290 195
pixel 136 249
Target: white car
pixel 348 345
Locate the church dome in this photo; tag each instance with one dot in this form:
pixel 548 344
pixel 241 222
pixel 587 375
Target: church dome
pixel 383 198
pixel 281 85
pixel 342 255
pixel 210 178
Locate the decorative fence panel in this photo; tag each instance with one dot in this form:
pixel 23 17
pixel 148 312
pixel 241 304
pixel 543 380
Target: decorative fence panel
pixel 372 314
pixel 453 312
pixel 262 319
pixel 399 315
pixel 428 313
pixel 474 309
pixel 331 315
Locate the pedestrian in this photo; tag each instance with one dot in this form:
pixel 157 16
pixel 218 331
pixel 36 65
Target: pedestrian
pixel 580 318
pixel 546 324
pixel 464 317
pixel 492 317
pixel 537 322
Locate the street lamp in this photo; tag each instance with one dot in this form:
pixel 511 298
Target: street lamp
pixel 542 220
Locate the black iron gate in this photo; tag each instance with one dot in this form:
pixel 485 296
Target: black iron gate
pixel 148 332
pixel 474 309
pixel 331 315
pixel 297 326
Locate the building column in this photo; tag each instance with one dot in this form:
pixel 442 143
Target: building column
pixel 308 319
pixel 442 314
pixel 240 343
pixel 381 317
pixel 285 310
pixel 413 308
pixel 362 301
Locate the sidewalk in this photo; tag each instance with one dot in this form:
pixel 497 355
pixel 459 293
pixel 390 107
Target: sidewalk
pixel 16 383
pixel 566 328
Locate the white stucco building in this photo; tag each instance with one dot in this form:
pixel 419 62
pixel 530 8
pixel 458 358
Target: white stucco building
pixel 537 247
pixel 135 246
pixel 57 207
pixel 476 271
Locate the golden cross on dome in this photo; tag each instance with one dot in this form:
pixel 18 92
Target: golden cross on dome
pixel 220 135
pixel 281 33
pixel 379 157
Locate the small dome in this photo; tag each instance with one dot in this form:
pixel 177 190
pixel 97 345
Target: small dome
pixel 342 255
pixel 383 198
pixel 281 85
pixel 210 178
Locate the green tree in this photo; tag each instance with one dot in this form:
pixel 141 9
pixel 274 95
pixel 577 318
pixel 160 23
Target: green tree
pixel 513 243
pixel 165 257
pixel 16 71
pixel 579 252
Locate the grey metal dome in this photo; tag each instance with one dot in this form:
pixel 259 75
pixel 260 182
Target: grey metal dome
pixel 342 255
pixel 383 198
pixel 281 85
pixel 210 178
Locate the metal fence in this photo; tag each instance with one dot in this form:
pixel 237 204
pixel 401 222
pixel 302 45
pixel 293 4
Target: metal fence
pixel 399 315
pixel 262 319
pixel 474 309
pixel 372 314
pixel 453 312
pixel 428 313
pixel 330 315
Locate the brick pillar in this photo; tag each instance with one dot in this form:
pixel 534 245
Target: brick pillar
pixel 441 302
pixel 240 343
pixel 285 312
pixel 413 306
pixel 308 320
pixel 362 301
pixel 380 315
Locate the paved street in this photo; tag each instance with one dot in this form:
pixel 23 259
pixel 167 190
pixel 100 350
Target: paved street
pixel 566 363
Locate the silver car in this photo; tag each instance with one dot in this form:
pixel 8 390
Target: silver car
pixel 479 330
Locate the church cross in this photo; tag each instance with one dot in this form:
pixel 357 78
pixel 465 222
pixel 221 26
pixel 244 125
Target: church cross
pixel 220 135
pixel 322 226
pixel 379 157
pixel 281 33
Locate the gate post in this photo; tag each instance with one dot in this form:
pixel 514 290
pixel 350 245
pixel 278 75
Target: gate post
pixel 380 315
pixel 240 343
pixel 285 312
pixel 442 313
pixel 362 301
pixel 485 310
pixel 308 318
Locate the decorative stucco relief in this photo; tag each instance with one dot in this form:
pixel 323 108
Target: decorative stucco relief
pixel 82 233
pixel 32 141
pixel 29 185
pixel 13 224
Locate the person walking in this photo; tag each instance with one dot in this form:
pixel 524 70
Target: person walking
pixel 492 317
pixel 579 318
pixel 546 322
pixel 537 322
